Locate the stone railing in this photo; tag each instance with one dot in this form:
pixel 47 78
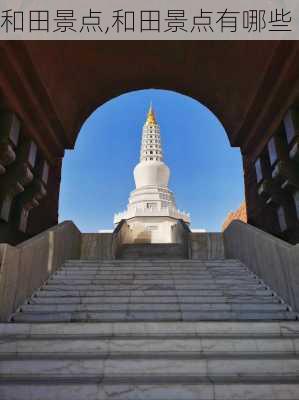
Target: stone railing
pixel 182 235
pixel 167 212
pixel 121 234
pixel 24 268
pixel 273 260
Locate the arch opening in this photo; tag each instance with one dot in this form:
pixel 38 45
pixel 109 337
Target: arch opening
pixel 97 176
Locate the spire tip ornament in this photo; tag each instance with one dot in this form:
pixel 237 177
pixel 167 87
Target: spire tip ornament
pixel 151 119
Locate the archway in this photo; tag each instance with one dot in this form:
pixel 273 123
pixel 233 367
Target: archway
pixel 206 173
pixel 250 86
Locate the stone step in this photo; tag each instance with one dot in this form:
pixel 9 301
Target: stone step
pixel 152 299
pixel 159 255
pixel 118 316
pixel 156 268
pixel 138 281
pixel 153 274
pixel 138 286
pixel 231 292
pixel 153 271
pixel 145 274
pixel 146 262
pixel 154 263
pixel 152 370
pixel 200 329
pixel 147 348
pixel 179 390
pixel 202 260
pixel 50 308
pixel 140 245
pixel 155 278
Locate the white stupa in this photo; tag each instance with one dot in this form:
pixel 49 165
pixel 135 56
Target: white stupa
pixel 151 212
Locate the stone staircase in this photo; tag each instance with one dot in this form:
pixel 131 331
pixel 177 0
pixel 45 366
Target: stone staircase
pixel 151 290
pixel 151 329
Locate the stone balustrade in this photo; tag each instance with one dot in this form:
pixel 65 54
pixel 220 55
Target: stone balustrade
pixel 272 259
pixel 24 268
pixel 167 212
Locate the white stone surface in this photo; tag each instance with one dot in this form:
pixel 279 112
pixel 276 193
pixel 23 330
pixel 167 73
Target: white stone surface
pixel 149 291
pixel 57 358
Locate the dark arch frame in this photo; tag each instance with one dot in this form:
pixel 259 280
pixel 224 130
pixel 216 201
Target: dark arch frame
pixel 53 86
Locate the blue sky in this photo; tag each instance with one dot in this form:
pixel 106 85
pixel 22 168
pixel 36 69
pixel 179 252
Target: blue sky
pixel 97 176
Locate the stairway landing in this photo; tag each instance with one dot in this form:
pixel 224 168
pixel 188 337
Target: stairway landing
pixel 157 251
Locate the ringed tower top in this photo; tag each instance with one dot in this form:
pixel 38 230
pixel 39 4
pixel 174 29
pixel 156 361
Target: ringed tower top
pixel 151 149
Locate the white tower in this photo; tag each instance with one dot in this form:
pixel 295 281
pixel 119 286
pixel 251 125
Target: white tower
pixel 151 212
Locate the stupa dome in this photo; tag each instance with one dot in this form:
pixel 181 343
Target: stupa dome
pixel 151 173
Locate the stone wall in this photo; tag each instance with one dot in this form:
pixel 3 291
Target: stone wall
pixel 96 246
pixel 99 245
pixel 24 268
pixel 206 246
pixel 272 259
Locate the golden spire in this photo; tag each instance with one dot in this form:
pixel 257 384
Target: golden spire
pixel 151 119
